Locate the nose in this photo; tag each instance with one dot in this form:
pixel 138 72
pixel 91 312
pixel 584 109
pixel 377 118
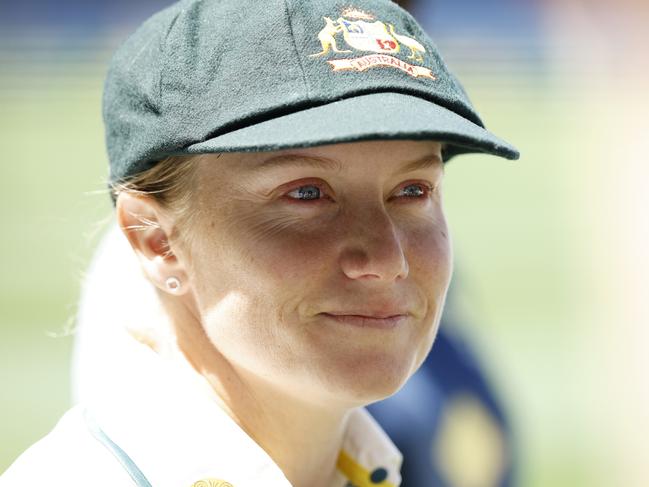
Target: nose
pixel 372 247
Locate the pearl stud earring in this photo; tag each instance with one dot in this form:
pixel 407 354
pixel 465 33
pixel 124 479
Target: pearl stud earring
pixel 173 283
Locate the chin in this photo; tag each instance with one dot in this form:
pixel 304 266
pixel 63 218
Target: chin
pixel 368 379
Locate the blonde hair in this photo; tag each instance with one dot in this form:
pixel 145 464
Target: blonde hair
pixel 170 182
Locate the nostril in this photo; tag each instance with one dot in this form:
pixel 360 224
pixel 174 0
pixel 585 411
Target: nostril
pixel 375 262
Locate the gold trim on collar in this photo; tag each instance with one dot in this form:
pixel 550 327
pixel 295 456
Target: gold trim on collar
pixel 358 475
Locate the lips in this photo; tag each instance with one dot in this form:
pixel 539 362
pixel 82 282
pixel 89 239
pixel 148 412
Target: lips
pixel 366 320
pixel 368 314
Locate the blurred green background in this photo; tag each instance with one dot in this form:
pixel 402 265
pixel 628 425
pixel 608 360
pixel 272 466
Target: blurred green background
pixel 551 250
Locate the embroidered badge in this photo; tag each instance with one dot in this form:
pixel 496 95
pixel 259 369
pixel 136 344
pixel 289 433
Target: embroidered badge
pixel 212 483
pixel 362 32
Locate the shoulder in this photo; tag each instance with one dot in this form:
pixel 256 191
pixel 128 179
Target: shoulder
pixel 69 455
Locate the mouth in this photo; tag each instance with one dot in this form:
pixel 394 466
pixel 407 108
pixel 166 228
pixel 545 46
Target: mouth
pixel 364 321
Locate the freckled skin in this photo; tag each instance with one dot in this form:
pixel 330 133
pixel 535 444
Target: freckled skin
pixel 264 266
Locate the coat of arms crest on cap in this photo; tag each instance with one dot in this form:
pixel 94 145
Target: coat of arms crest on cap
pixel 362 32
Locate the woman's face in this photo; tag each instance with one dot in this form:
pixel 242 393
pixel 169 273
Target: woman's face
pixel 283 240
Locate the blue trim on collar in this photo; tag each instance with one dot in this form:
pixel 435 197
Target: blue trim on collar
pixel 128 464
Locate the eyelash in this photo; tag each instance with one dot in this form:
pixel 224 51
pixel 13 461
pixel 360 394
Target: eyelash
pixel 428 189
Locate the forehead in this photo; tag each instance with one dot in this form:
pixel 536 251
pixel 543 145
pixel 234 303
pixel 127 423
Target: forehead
pixel 375 155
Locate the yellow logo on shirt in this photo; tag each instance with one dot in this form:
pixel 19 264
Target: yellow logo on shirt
pixel 212 483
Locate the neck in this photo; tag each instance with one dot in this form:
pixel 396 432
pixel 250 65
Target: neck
pixel 302 437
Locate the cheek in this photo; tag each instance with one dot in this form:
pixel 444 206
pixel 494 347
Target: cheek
pixel 287 247
pixel 429 249
pixel 431 267
pixel 272 261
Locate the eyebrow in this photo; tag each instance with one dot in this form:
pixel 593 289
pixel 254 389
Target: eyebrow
pixel 425 162
pixel 294 160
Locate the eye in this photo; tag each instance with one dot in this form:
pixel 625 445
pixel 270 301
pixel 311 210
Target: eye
pixel 306 192
pixel 314 192
pixel 416 191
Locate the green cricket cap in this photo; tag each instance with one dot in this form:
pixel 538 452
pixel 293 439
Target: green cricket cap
pixel 207 76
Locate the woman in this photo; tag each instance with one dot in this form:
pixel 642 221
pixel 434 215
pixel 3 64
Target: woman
pixel 276 170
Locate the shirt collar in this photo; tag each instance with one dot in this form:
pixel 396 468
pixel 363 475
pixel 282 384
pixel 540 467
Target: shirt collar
pixel 160 414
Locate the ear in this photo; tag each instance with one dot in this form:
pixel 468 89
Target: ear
pixel 147 229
